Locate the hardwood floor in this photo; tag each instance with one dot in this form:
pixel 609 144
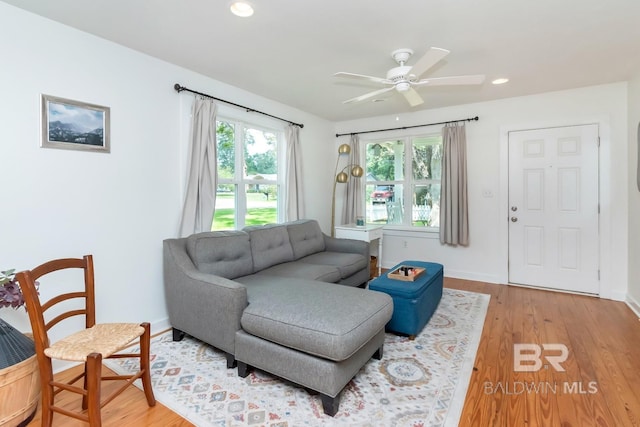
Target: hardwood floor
pixel 600 385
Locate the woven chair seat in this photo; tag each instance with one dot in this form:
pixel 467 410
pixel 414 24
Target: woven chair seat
pixel 104 338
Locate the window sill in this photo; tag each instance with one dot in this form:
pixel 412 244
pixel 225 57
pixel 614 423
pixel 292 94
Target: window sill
pixel 404 231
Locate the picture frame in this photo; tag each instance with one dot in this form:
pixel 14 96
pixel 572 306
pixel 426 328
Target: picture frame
pixel 75 125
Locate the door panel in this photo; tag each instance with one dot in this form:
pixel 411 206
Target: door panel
pixel 553 200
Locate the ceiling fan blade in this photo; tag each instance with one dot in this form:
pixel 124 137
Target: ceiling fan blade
pixel 368 95
pixel 413 97
pixel 451 80
pixel 363 77
pixel 428 60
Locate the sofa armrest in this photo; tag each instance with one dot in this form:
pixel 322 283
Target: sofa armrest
pixel 335 244
pixel 205 306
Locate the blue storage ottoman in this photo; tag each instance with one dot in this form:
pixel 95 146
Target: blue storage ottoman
pixel 414 302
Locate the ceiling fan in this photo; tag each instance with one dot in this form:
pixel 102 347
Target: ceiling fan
pixel 405 77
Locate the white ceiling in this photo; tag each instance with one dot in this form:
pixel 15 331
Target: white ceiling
pixel 290 49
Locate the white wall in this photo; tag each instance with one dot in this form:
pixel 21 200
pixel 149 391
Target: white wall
pixel 634 196
pixel 118 206
pixel 486 257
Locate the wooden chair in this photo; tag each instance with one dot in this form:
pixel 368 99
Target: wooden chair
pixel 89 346
pixel 394 213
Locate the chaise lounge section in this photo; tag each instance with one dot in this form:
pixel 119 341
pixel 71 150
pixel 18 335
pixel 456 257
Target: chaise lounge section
pixel 283 298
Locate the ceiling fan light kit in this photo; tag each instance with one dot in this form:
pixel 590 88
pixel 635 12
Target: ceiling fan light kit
pixel 403 86
pixel 403 78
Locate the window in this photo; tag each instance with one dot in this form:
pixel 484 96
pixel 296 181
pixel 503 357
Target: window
pixel 248 179
pixel 403 181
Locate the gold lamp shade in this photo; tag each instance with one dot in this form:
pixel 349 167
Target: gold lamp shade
pixel 344 149
pixel 342 177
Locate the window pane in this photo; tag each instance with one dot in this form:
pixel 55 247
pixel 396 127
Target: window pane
pixel 384 204
pixel 224 217
pixel 385 161
pixel 260 154
pixel 225 135
pixel 426 205
pixel 262 203
pixel 427 157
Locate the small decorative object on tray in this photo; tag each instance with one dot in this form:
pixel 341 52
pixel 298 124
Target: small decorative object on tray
pixel 406 273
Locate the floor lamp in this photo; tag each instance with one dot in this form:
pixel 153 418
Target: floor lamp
pixel 342 177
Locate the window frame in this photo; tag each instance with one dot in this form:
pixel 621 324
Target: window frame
pixel 239 182
pixel 407 183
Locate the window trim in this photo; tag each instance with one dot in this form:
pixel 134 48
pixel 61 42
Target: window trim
pixel 239 181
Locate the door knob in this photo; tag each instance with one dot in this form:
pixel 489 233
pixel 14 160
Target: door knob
pixel 514 208
pixel 514 219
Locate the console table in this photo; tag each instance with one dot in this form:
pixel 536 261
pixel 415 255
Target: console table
pixel 367 233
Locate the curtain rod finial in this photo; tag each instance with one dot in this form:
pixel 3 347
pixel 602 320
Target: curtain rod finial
pixel 177 87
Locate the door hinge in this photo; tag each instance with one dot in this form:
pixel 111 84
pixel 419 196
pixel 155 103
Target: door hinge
pixel 598 274
pixel 598 141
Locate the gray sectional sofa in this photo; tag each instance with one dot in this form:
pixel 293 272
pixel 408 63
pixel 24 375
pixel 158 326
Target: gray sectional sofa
pixel 284 298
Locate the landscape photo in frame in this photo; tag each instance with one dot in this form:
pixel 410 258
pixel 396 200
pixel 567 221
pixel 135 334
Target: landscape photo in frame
pixel 74 125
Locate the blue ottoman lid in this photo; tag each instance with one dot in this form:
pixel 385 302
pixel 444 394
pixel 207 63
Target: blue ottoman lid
pixel 408 289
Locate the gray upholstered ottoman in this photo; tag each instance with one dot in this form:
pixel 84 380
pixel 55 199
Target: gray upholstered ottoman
pixel 319 337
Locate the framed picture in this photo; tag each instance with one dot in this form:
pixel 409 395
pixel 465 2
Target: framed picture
pixel 74 125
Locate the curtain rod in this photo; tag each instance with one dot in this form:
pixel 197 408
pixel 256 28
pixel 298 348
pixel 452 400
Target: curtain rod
pixel 409 127
pixel 180 88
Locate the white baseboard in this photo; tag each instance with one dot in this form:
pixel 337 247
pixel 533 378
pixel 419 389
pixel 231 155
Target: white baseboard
pixel 616 296
pixel 633 305
pixel 160 326
pixel 467 275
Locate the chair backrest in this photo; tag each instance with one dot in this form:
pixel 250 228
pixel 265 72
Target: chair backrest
pixel 394 213
pixel 41 324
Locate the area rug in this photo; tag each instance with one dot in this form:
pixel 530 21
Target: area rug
pixel 418 383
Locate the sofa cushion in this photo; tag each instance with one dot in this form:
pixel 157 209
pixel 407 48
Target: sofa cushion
pixel 269 245
pixel 223 253
pixel 323 273
pixel 323 319
pixel 347 263
pixel 306 237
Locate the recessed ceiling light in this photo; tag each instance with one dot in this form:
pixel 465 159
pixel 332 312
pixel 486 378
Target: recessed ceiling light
pixel 500 81
pixel 241 8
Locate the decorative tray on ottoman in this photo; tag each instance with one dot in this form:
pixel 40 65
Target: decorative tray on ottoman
pixel 406 273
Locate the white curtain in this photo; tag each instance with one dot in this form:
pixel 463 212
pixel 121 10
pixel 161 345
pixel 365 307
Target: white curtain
pixel 355 186
pixel 454 215
pixel 294 201
pixel 200 200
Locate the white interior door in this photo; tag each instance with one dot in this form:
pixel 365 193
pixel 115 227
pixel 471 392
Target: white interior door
pixel 553 208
